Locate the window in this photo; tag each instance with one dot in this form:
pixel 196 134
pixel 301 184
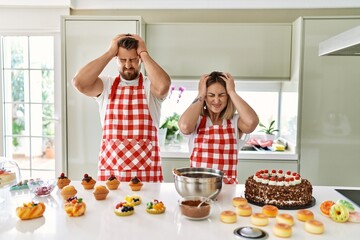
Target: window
pixel 27 83
pixel 262 97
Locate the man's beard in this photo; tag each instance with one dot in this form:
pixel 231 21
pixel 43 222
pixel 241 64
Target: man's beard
pixel 129 75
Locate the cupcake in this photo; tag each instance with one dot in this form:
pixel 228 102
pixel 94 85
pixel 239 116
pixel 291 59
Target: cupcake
pixel 68 192
pixel 75 207
pixel 88 182
pixel 63 181
pixel 100 192
pixel 135 184
pixel 112 183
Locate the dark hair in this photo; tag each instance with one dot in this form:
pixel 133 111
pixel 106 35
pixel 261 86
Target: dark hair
pixel 128 43
pixel 215 77
pixel 229 110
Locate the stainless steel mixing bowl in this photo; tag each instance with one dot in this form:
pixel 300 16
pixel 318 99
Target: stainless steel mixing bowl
pixel 198 181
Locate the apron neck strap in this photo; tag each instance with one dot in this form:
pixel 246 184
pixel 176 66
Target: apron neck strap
pixel 117 82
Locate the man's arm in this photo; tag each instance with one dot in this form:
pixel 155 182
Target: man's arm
pixel 87 79
pixel 160 80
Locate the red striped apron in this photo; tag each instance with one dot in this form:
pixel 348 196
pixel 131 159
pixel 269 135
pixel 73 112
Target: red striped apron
pixel 129 145
pixel 216 147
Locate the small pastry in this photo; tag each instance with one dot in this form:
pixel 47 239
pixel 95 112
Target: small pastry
pixel 325 207
pixel 282 230
pixel 314 226
pixel 269 210
pixel 339 213
pixel 244 210
pixel 238 201
pixel 134 200
pixel 63 181
pixel 346 204
pixel 88 182
pixel 285 218
pixel 68 192
pixel 259 219
pixel 155 207
pixel 354 217
pixel 124 209
pixel 20 186
pixel 135 184
pixel 228 217
pixel 30 210
pixel 112 183
pixel 75 207
pixel 100 192
pixel 304 215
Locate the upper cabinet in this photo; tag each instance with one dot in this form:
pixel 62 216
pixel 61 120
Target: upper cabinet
pixel 247 51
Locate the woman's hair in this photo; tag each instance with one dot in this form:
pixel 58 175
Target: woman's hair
pixel 229 110
pixel 128 43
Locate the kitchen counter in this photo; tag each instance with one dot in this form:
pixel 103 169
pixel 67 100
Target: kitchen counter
pixel 100 222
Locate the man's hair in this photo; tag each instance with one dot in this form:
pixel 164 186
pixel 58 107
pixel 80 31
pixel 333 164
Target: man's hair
pixel 128 43
pixel 229 110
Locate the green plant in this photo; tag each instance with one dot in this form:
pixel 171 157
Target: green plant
pixel 268 130
pixel 171 123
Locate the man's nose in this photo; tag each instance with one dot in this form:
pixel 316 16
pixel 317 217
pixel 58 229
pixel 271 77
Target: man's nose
pixel 128 64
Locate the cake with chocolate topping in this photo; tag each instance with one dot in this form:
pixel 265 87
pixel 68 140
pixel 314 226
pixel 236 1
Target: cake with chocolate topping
pixel 278 188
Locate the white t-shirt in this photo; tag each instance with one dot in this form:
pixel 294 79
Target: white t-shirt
pixel 154 103
pixel 240 141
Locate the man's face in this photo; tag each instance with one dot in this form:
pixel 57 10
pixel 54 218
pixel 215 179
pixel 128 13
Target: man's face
pixel 129 63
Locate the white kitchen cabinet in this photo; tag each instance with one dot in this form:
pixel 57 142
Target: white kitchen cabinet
pixel 247 51
pixel 330 133
pixel 84 39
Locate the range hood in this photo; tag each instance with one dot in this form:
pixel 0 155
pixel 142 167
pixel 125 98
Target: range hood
pixel 343 44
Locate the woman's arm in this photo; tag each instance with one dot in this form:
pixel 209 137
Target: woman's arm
pixel 188 119
pixel 248 119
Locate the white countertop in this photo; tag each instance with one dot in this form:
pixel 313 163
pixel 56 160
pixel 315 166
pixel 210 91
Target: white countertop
pixel 100 222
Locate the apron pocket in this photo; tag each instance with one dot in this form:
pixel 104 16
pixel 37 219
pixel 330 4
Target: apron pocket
pixel 126 154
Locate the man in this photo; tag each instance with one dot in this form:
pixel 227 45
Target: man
pixel 129 108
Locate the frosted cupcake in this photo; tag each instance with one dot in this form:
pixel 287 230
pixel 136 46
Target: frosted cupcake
pixel 135 184
pixel 112 183
pixel 88 182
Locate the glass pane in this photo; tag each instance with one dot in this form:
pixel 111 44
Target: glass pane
pixel 48 125
pixel 21 151
pixel 16 112
pixel 36 120
pixel 35 86
pixel 37 149
pixel 15 82
pixel 48 148
pixel 16 52
pixel 265 104
pixel 42 86
pixel 41 52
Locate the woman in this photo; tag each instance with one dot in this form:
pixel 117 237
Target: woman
pixel 216 131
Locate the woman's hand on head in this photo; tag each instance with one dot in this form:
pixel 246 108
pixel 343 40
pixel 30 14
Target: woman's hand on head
pixel 230 83
pixel 202 84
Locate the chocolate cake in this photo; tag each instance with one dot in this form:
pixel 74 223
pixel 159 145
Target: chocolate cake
pixel 279 189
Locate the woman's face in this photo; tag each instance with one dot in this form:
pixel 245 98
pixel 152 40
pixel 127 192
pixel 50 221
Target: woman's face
pixel 216 98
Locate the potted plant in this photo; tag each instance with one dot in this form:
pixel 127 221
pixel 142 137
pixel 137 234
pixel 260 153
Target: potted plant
pixel 268 130
pixel 171 126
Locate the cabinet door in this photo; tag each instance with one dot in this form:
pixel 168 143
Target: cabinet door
pixel 330 133
pixel 86 39
pixel 247 51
